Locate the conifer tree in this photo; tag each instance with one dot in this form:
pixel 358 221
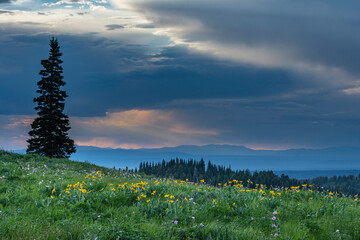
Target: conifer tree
pixel 49 134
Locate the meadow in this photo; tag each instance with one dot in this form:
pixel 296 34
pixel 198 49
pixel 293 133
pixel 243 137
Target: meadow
pixel 42 198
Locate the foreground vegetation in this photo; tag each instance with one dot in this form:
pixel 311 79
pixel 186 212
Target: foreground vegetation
pixel 43 198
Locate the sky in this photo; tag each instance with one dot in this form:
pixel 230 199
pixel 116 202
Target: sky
pixel 266 74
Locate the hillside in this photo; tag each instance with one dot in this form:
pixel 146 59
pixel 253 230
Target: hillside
pixel 43 198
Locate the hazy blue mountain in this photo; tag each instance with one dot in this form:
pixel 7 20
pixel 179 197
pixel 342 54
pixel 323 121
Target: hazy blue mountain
pixel 239 157
pixel 297 163
pixel 211 149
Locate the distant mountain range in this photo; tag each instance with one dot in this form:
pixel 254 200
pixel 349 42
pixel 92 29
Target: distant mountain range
pixel 294 162
pixel 239 157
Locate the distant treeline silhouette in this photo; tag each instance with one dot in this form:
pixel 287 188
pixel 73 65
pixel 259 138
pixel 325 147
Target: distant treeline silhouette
pixel 213 174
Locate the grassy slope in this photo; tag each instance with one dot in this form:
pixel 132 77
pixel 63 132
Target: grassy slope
pixel 106 206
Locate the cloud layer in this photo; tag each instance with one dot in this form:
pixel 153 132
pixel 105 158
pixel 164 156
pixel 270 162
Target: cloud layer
pixel 147 73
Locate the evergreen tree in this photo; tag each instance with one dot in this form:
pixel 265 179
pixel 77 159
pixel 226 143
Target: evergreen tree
pixel 49 134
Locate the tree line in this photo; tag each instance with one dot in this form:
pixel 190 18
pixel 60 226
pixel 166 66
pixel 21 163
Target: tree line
pixel 213 174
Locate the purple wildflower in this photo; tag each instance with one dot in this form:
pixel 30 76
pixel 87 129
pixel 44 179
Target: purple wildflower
pixel 176 222
pixel 275 213
pixel 273 218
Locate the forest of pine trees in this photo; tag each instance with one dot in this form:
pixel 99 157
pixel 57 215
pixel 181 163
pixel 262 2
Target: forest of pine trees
pixel 214 174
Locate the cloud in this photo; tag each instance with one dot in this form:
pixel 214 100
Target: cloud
pixel 145 25
pixel 6 12
pixel 351 91
pixel 111 27
pixel 303 37
pixel 16 122
pixel 137 128
pixel 4 1
pixel 13 131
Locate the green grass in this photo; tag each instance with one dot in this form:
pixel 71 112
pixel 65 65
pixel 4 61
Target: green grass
pixel 38 200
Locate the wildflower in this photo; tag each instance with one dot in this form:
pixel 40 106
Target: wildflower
pixel 276 234
pixel 264 217
pixel 52 192
pixel 274 226
pixel 275 212
pixel 201 224
pixel 175 222
pixel 193 217
pixel 252 219
pixel 51 197
pixel 273 218
pixel 186 199
pixel 337 230
pixel 148 200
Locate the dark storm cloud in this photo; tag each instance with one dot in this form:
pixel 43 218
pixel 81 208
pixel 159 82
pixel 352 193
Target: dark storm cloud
pixel 180 75
pixel 123 76
pixel 4 1
pixel 316 32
